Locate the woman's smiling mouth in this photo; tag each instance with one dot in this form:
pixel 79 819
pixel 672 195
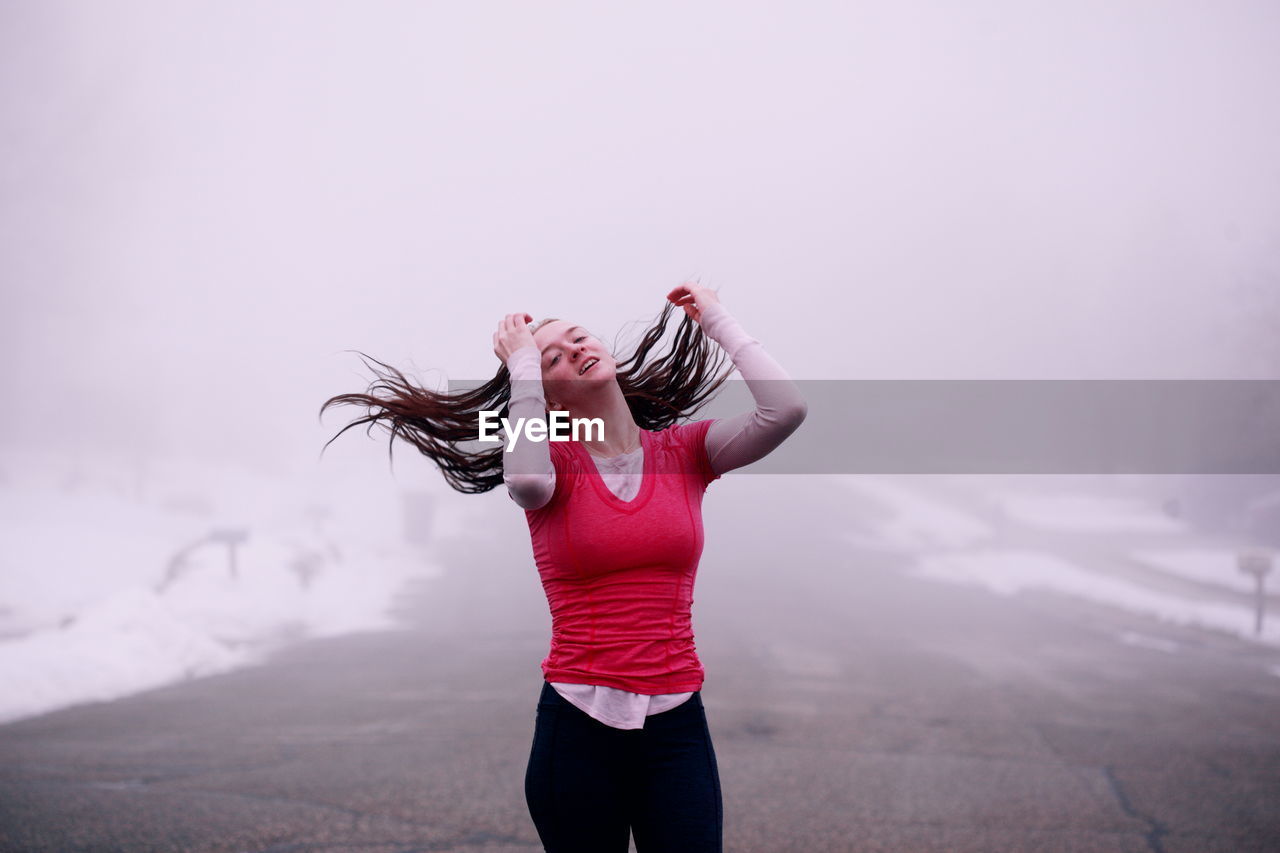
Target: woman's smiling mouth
pixel 590 363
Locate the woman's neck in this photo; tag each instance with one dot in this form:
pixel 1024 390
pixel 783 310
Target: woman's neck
pixel 621 432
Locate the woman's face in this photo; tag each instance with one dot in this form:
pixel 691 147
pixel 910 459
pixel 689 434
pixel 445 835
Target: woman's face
pixel 574 363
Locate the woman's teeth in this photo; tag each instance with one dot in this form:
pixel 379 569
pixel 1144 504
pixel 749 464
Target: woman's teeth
pixel 591 362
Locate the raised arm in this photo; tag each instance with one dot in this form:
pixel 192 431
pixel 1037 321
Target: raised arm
pixel 527 470
pixel 780 408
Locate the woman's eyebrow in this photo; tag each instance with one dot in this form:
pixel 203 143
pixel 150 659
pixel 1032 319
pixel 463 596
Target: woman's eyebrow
pixel 568 332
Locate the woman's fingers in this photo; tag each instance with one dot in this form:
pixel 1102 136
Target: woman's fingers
pixel 687 293
pixel 511 334
pixel 513 328
pixel 693 297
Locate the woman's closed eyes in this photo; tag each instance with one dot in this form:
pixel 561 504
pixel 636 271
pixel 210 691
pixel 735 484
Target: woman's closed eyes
pixel 557 358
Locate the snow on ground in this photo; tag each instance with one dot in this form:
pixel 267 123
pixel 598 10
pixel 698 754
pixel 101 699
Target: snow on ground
pixel 110 582
pixel 1010 572
pixel 1142 641
pixel 1085 513
pixel 950 545
pixel 1213 566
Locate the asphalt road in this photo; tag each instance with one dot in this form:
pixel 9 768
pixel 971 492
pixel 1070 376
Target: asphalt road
pixel 853 707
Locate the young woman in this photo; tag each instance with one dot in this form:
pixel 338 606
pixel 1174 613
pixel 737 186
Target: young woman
pixel 621 744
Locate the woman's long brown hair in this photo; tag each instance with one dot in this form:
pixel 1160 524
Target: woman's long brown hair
pixel 659 391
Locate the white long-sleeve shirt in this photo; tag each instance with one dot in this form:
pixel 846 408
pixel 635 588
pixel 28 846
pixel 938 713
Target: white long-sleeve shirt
pixel 731 443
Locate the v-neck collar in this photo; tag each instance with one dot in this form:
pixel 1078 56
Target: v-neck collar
pixel 597 481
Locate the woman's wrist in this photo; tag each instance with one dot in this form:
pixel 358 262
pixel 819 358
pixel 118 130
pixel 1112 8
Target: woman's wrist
pixel 721 326
pixel 713 313
pixel 526 362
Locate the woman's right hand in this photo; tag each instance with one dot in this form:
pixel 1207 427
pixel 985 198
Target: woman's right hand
pixel 513 333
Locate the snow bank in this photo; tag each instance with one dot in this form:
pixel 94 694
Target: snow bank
pixel 113 578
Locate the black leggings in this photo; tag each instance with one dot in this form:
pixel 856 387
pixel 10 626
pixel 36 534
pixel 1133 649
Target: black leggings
pixel 590 785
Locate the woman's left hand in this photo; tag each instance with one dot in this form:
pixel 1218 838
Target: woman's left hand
pixel 693 298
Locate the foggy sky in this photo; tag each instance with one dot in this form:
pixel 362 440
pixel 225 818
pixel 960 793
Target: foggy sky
pixel 206 204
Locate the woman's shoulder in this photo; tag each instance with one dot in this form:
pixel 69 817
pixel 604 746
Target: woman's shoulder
pixel 688 434
pixel 686 445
